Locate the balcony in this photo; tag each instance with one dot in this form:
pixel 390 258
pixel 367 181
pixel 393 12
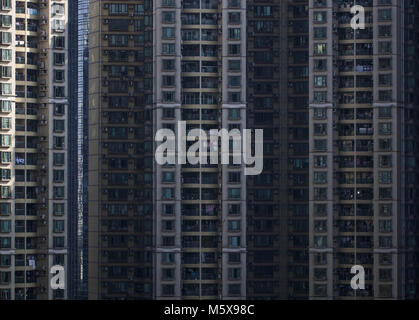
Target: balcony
pixel 364 162
pixel 190 194
pixel 19 77
pixel 209 19
pixel 20 9
pixel 190 258
pixel 364 145
pixel 209 226
pixel 190 274
pixel 190 242
pixel 190 210
pixel 190 226
pixel 190 290
pixel 364 97
pixel 20 60
pixel 209 274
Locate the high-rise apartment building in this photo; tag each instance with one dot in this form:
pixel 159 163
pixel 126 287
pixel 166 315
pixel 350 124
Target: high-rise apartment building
pixel 363 171
pixel 200 218
pixel 277 199
pixel 78 148
pixel 33 200
pixel 174 230
pixel 338 107
pixel 121 158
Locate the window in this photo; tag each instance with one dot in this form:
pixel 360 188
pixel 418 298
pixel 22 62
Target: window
pixel 320 242
pixel 58 142
pixel 234 81
pixel 59 59
pixel 168 257
pixel 5 72
pixel 168 176
pixel 59 75
pixel 58 192
pixel 5 242
pixel 384 14
pixel 168 65
pixel 59 125
pixel 59 109
pixel 320 145
pixel 234 209
pixel 234 49
pixel 234 3
pixel 58 209
pixel 168 33
pixel 59 42
pixel 58 226
pixel 5 55
pixel 234 97
pixel 234 273
pixel 320 64
pixel 6 123
pixel 320 49
pixel 169 48
pixel 385 226
pixel 169 81
pixel 6 157
pixel 320 194
pixel 234 241
pixel 58 159
pixel 320 16
pixel 234 17
pixel 385 47
pixel 234 257
pixel 168 241
pixel 118 9
pixel 320 33
pixel 385 161
pixel 168 96
pixel 384 128
pixel 234 225
pixel 234 65
pixel 6 5
pixel 234 33
pixel 58 242
pixel 234 177
pixel 320 96
pixel 168 16
pixel 385 193
pixel 5 37
pixel 385 176
pixel 5 174
pixel 168 289
pixel 234 289
pixel 6 140
pixel 5 260
pixel 320 81
pixel 6 89
pixel 384 31
pixel 5 226
pixel 59 91
pixel 5 209
pixel 168 193
pixel 168 225
pixel 385 241
pixel 320 177
pixel 6 106
pixel 168 209
pixel 234 193
pixel 58 175
pixel 320 113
